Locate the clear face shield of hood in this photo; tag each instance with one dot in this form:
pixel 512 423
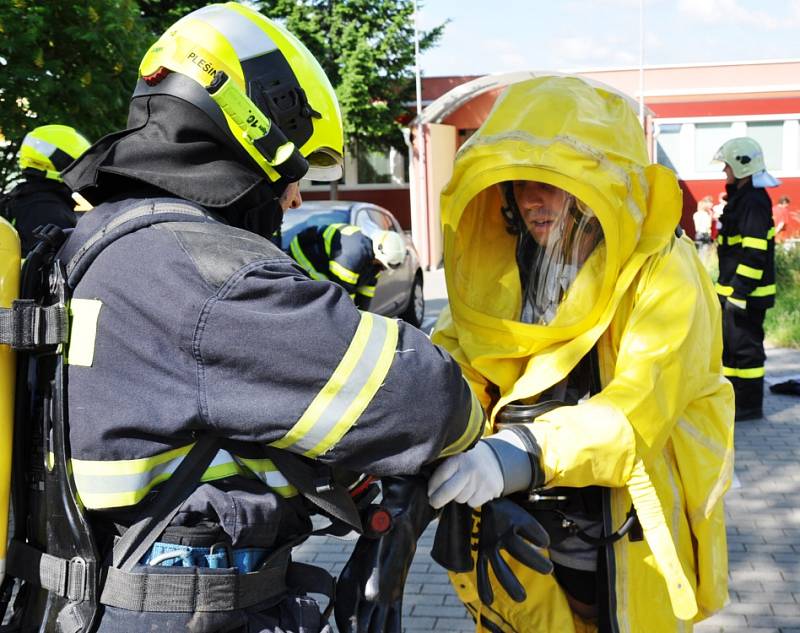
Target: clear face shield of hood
pixel 557 236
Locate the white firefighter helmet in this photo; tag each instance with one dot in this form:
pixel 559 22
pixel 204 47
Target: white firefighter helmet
pixel 746 158
pixel 389 248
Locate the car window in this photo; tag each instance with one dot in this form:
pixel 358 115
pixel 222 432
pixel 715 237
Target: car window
pixel 391 222
pixel 366 223
pixel 370 220
pixel 295 220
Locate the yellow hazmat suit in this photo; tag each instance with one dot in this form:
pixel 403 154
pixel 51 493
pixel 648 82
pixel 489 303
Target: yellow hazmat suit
pixel 660 433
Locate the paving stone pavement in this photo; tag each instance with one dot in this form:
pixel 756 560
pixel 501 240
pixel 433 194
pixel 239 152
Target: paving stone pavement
pixel 763 518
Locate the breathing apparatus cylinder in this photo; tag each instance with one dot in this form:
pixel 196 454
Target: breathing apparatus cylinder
pixel 9 290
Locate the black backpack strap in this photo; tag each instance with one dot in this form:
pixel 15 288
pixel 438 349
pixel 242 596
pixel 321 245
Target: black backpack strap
pixel 138 538
pixel 82 249
pixel 333 499
pixel 27 325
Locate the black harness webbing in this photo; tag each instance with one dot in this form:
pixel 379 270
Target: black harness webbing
pixel 139 537
pixel 68 578
pixel 27 325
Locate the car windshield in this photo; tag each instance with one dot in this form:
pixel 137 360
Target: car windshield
pixel 295 220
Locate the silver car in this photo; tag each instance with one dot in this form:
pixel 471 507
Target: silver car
pixel 399 290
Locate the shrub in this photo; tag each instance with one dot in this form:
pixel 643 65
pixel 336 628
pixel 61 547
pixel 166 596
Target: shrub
pixel 782 325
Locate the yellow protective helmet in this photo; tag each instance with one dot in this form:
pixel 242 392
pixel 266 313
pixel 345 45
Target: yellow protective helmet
pixel 266 67
pixel 50 148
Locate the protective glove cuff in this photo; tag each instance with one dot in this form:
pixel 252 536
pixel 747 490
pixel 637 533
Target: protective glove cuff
pixel 512 444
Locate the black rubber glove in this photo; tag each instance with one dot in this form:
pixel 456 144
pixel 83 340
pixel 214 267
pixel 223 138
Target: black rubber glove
pixel 506 526
pixel 369 592
pixel 451 546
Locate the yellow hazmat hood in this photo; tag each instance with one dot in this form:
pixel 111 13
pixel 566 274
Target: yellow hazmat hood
pixel 588 142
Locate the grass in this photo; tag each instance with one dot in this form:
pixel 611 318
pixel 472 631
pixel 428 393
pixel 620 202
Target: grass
pixel 782 325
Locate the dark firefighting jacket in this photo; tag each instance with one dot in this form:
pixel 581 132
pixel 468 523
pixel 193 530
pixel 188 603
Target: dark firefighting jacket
pixel 746 249
pixel 35 202
pixel 183 328
pixel 340 253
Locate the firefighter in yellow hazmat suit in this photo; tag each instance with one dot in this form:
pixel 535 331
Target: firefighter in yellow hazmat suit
pixel 569 284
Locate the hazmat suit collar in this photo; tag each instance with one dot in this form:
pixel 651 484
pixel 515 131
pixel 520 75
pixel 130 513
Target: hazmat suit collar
pixel 173 149
pixel 588 142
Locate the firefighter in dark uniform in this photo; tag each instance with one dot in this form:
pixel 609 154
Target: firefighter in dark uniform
pixel 344 254
pixel 746 285
pixel 188 326
pixel 42 197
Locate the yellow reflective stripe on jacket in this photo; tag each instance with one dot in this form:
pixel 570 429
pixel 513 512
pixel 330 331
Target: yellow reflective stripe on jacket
pixel 345 274
pixel 349 390
pixel 328 235
pixel 330 232
pixel 730 239
pixel 267 472
pixel 761 291
pixel 119 483
pixel 84 314
pixel 755 242
pixel 473 431
pixel 751 372
pixel 749 272
pixel 367 291
pixel 741 303
pixel 300 258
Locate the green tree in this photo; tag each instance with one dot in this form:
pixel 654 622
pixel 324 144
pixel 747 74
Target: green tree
pixel 366 48
pixel 159 15
pixel 65 62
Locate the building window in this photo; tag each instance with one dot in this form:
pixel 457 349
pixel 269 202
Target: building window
pixel 707 140
pixel 668 146
pixel 769 135
pixel 381 167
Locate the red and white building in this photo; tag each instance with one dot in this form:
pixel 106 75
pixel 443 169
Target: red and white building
pixel 689 112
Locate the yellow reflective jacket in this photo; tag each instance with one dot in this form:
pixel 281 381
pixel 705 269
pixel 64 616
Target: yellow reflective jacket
pixel 660 433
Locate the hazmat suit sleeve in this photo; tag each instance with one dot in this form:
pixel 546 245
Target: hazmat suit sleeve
pixel 663 362
pixel 291 362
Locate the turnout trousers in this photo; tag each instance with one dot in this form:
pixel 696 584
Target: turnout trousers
pixel 743 357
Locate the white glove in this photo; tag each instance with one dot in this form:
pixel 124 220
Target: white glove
pixel 478 475
pixel 473 478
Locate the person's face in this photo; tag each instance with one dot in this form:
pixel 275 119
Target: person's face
pixel 540 205
pixel 291 198
pixel 729 177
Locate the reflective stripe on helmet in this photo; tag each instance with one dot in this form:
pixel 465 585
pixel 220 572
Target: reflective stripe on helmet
pixel 50 148
pixel 351 387
pixel 244 35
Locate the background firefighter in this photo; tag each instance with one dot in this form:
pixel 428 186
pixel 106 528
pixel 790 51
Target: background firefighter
pixel 342 253
pixel 42 197
pixel 746 284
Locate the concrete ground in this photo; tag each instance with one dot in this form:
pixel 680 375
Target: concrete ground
pixel 763 523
